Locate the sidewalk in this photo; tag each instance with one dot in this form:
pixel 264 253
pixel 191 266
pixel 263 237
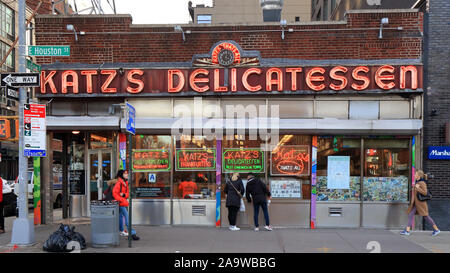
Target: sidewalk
pixel 182 239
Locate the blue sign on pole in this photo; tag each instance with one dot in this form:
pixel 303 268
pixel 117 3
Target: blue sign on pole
pixel 131 119
pixel 438 152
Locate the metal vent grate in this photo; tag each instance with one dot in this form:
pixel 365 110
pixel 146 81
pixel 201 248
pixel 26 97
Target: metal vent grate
pixel 199 210
pixel 335 212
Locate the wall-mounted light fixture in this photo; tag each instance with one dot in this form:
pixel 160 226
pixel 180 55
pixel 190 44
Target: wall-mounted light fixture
pixel 384 21
pixel 121 71
pixel 72 28
pixel 179 29
pixel 283 24
pixel 75 132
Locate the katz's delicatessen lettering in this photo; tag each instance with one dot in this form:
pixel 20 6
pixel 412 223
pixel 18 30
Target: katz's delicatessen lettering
pixel 237 80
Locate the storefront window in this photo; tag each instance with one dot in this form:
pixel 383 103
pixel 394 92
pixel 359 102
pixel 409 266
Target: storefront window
pixel 386 169
pixel 152 165
pixel 290 167
pixel 194 175
pixel 76 164
pixel 338 169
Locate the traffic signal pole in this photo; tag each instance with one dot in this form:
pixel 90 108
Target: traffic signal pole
pixel 23 228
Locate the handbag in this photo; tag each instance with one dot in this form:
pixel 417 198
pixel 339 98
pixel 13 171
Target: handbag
pixel 422 197
pixel 242 207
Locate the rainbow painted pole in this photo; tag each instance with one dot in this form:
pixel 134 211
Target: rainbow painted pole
pixel 413 170
pixel 218 179
pixel 313 182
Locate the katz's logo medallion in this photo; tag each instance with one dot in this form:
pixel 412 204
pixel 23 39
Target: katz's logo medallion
pixel 226 54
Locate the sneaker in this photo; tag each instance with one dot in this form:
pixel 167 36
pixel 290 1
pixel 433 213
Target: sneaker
pixel 436 232
pixel 234 228
pixel 268 228
pixel 405 232
pixel 135 237
pixel 123 233
pixel 256 229
pixel 231 228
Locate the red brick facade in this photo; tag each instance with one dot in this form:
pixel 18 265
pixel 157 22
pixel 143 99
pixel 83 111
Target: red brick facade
pixel 113 39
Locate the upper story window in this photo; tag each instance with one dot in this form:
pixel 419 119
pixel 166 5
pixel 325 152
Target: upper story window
pixel 6 21
pixel 9 64
pixel 204 19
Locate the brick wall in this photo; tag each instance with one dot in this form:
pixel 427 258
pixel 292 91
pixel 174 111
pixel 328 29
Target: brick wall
pixel 438 94
pixel 113 39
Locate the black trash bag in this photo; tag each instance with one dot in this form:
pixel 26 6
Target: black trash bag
pixel 57 242
pixel 76 236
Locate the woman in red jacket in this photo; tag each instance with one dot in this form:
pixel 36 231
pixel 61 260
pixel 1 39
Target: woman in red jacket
pixel 121 193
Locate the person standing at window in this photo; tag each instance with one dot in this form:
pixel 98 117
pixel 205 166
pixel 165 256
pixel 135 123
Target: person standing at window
pixel 187 188
pixel 419 207
pixel 121 194
pixel 258 191
pixel 234 190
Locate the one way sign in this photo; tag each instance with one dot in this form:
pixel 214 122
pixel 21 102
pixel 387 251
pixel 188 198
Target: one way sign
pixel 20 79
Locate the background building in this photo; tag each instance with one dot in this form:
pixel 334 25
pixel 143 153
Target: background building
pixel 249 11
pixel 437 108
pixel 334 10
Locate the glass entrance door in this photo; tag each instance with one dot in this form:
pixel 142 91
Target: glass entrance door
pixel 100 171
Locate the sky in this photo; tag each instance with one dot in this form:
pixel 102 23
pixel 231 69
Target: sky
pixel 150 11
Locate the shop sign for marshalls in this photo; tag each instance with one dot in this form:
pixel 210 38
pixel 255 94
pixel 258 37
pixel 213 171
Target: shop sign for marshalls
pixel 34 138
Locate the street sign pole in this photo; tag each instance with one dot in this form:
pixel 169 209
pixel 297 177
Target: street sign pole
pixel 130 117
pixel 23 228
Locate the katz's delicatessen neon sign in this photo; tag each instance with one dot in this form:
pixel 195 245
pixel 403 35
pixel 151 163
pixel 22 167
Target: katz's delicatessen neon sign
pixel 291 80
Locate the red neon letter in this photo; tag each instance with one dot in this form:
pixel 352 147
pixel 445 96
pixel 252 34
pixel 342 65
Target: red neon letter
pixel 365 79
pixel 413 71
pixel 380 78
pixel 73 83
pixel 342 79
pixel 278 81
pixel 170 80
pixel 88 74
pixel 245 82
pixel 112 74
pixel 140 83
pixel 49 80
pixel 233 80
pixel 294 72
pixel 193 81
pixel 217 87
pixel 310 79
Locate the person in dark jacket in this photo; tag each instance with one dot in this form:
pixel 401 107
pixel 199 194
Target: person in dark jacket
pixel 234 190
pixel 2 219
pixel 258 191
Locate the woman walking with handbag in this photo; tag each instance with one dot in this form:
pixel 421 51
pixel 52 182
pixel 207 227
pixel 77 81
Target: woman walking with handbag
pixel 234 190
pixel 417 206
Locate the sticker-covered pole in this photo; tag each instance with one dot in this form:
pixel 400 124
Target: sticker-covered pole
pixel 218 179
pixel 23 228
pixel 313 182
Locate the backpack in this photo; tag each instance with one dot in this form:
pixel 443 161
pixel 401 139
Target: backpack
pixel 108 193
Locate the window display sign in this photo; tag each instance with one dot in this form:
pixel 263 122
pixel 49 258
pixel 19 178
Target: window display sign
pixel 338 172
pixel 196 159
pixel 151 160
pixel 243 160
pixel 153 192
pixel 286 188
pixel 290 160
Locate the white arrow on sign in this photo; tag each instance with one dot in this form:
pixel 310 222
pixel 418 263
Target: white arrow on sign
pixel 12 80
